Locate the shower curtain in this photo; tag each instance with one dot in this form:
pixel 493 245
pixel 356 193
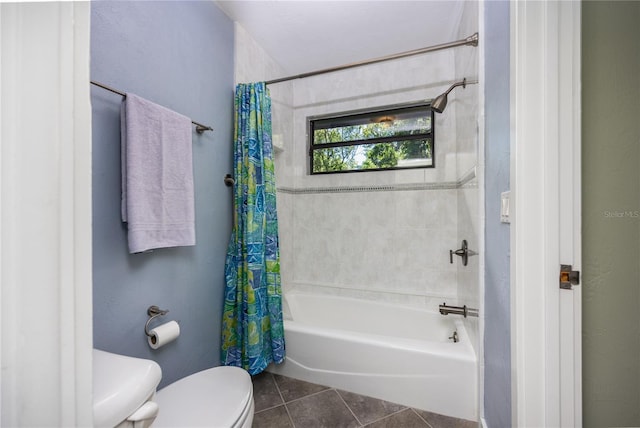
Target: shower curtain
pixel 252 328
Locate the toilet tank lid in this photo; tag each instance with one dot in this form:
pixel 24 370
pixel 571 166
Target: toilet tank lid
pixel 121 384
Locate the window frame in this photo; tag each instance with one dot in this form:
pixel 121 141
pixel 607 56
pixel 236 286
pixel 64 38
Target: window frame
pixel 372 112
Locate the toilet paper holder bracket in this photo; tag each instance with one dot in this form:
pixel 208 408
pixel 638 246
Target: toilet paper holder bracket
pixel 153 312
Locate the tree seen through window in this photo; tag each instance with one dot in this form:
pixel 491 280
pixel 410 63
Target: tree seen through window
pixel 389 139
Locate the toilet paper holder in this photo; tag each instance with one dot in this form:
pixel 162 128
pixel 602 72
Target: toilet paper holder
pixel 153 312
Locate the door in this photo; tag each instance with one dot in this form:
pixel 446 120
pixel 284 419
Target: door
pixel 545 228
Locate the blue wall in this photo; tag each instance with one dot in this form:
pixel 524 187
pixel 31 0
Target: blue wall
pixel 497 333
pixel 179 55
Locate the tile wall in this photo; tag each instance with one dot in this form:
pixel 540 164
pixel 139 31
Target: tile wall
pixel 386 244
pixel 382 244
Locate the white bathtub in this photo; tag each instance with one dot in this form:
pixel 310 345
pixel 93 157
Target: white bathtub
pixel 396 353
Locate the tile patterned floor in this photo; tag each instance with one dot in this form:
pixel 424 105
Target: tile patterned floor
pixel 283 402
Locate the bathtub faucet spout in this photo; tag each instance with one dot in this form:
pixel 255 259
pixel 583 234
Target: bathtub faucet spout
pixel 458 310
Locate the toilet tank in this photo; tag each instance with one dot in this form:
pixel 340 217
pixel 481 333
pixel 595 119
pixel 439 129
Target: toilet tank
pixel 123 390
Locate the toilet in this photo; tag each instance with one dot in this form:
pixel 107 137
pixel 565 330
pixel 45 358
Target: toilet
pixel 125 395
pixel 217 397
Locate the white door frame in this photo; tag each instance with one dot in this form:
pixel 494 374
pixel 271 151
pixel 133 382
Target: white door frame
pixel 545 149
pixel 45 215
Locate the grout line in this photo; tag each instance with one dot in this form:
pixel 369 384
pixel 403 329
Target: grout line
pixel 269 408
pixel 345 403
pixel 310 395
pixel 289 415
pixel 277 387
pixel 284 403
pixel 388 416
pixel 418 414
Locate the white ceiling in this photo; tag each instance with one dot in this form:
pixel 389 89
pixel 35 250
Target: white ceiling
pixel 308 35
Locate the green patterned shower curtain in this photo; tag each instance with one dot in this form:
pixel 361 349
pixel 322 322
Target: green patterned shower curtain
pixel 252 328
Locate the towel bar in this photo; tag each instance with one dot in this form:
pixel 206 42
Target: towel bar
pixel 200 128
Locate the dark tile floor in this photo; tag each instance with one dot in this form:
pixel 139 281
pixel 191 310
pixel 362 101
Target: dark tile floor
pixel 283 402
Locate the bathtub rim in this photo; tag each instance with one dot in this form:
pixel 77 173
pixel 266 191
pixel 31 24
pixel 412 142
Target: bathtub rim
pixel 463 350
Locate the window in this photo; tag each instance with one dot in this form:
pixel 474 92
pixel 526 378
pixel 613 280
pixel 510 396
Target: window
pixel 391 138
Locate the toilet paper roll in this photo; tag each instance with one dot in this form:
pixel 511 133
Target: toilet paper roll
pixel 163 334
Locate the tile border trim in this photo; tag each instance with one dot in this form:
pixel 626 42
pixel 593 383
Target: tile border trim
pixel 448 185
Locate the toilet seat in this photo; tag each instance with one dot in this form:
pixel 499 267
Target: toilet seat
pixel 216 397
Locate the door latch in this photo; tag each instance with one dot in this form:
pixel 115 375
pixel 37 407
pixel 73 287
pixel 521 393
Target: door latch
pixel 568 277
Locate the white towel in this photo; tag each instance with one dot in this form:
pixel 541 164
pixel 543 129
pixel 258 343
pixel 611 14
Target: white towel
pixel 157 176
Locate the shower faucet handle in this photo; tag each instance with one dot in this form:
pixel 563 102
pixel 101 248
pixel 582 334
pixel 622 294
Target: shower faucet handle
pixel 462 252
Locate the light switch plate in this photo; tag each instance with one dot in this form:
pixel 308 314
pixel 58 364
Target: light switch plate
pixel 505 207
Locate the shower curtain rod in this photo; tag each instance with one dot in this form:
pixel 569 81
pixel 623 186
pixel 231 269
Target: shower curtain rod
pixel 469 41
pixel 200 128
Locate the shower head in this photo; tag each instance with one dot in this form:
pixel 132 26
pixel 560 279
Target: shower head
pixel 440 102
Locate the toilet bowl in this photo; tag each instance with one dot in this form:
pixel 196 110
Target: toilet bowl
pixel 125 395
